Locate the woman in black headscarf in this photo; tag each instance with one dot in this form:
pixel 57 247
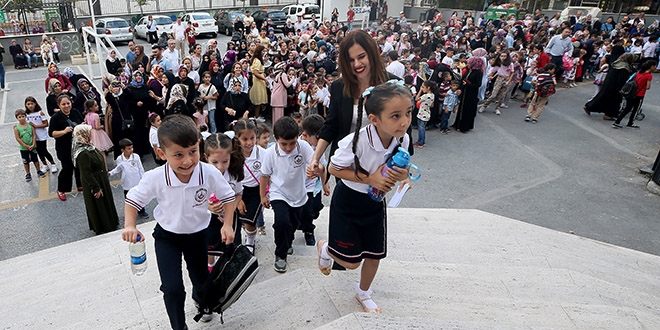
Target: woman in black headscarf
pixel 141 105
pixel 608 100
pixel 85 92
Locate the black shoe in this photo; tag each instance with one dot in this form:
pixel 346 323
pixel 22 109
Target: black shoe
pixel 310 240
pixel 280 265
pixel 632 126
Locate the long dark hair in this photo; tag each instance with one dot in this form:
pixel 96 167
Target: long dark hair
pixel 37 107
pixel 258 54
pixel 377 70
pixel 236 159
pixel 373 104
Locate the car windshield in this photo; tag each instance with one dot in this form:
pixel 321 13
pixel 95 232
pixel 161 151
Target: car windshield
pixel 116 24
pixel 163 21
pixel 277 14
pixel 312 10
pixel 198 17
pixel 233 16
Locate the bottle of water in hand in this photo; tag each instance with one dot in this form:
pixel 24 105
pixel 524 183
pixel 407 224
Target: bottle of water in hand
pixel 138 256
pixel 401 160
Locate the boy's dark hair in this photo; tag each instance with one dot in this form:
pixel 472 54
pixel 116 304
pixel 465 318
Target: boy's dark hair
pixel 286 128
pixel 122 60
pixel 20 112
pixel 296 115
pixel 120 70
pixel 549 66
pixel 123 143
pixel 312 124
pixel 455 82
pixel 262 128
pixel 393 55
pixel 178 129
pixel 408 79
pixel 203 128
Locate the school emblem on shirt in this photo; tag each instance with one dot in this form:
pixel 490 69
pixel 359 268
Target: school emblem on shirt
pixel 200 195
pixel 256 165
pixel 298 160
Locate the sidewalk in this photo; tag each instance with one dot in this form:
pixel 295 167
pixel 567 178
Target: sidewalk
pixel 446 268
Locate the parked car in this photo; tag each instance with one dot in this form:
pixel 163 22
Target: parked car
pixel 163 24
pixel 226 21
pixel 203 23
pixel 115 29
pixel 305 10
pixel 275 19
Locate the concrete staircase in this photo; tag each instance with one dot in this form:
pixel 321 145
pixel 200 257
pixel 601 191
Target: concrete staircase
pixel 446 269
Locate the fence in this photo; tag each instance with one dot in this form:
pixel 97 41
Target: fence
pixel 128 7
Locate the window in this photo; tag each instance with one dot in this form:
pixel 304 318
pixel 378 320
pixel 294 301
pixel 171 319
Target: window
pixel 163 21
pixel 116 24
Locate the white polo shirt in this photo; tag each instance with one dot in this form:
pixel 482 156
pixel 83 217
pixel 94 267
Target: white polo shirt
pixel 182 207
pixel 235 185
pixel 252 167
pixel 131 170
pixel 370 151
pixel 153 137
pixel 287 173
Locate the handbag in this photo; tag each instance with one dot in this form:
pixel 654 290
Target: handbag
pixel 527 84
pixel 126 124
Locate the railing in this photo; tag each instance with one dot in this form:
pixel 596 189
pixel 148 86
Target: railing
pixel 102 44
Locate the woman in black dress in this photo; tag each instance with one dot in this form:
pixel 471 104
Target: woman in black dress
pixel 467 110
pixel 119 109
pixel 85 92
pixel 608 100
pixel 61 128
pixel 234 105
pixel 141 103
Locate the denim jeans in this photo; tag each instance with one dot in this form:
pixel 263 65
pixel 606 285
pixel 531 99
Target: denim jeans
pixel 421 131
pixel 212 128
pixel 2 76
pixel 32 59
pixel 445 119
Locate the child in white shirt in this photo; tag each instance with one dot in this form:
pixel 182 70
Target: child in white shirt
pixel 130 167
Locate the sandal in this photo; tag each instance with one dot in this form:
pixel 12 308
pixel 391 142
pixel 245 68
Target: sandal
pixel 364 307
pixel 61 196
pixel 324 270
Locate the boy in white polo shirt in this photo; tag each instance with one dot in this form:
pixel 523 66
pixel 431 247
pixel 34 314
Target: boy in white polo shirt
pixel 130 167
pixel 283 169
pixel 182 188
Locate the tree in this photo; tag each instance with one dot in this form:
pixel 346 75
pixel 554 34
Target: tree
pixel 142 3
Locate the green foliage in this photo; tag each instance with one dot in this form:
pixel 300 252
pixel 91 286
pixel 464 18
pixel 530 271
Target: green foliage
pixel 29 6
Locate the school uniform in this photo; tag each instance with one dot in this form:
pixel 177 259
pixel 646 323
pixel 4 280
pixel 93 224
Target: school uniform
pixel 251 196
pixel 287 190
pixel 357 223
pixel 183 216
pixel 213 237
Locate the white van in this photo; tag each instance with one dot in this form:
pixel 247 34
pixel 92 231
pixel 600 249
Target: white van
pixel 305 10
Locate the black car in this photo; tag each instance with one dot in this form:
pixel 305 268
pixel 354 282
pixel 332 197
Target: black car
pixel 226 20
pixel 275 19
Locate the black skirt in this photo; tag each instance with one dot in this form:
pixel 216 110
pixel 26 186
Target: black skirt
pixel 358 226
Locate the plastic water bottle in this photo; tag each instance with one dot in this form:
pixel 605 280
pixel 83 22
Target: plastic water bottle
pixel 138 257
pixel 402 160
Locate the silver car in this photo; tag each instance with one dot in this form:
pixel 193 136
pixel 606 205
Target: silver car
pixel 114 29
pixel 163 24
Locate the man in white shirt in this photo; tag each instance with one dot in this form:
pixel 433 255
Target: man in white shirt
pixel 171 54
pixel 299 25
pixel 385 47
pixel 395 67
pixel 179 35
pixel 152 30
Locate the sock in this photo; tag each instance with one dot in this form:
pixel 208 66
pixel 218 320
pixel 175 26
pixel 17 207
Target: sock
pixel 365 297
pixel 326 259
pixel 249 239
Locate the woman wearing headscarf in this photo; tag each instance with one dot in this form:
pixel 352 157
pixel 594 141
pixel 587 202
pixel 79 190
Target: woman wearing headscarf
pixel 229 58
pixel 467 109
pixel 86 92
pixel 54 91
pixel 140 57
pixel 177 101
pixel 158 87
pixel 119 110
pixel 97 192
pixel 191 91
pixel 608 100
pixel 278 94
pixel 61 129
pixel 112 62
pixel 54 73
pixel 481 53
pixel 234 105
pixel 141 103
pixel 205 65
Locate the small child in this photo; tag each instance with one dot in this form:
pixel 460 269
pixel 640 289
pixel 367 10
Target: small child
pixel 602 73
pixel 545 86
pixel 449 105
pixel 130 167
pixel 323 97
pixel 425 100
pixel 204 132
pixel 191 35
pixel 128 70
pixel 569 75
pixel 209 94
pixel 39 121
pixel 310 129
pixel 121 77
pixel 283 173
pixel 263 140
pixel 26 138
pixel 182 188
pixel 99 138
pixel 56 50
pixel 201 116
pixel 153 122
pixel 298 117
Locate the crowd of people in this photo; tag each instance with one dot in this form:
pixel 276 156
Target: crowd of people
pixel 322 85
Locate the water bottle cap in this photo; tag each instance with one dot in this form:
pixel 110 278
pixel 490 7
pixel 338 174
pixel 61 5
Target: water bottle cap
pixel 138 239
pixel 401 158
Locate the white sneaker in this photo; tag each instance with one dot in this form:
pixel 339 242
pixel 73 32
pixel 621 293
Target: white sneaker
pixel 44 168
pixel 53 168
pixel 260 119
pixel 504 106
pixel 207 318
pixel 497 112
pixel 481 109
pixel 7 89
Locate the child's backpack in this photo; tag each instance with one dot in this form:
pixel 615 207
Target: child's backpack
pixel 231 276
pixel 567 62
pixel 546 88
pixel 629 89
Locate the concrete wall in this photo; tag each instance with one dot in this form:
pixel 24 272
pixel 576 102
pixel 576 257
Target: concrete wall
pixel 69 41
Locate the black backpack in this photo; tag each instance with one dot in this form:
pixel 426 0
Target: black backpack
pixel 231 276
pixel 629 89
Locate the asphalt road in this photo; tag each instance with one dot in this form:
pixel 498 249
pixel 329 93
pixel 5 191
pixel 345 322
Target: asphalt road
pixel 569 172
